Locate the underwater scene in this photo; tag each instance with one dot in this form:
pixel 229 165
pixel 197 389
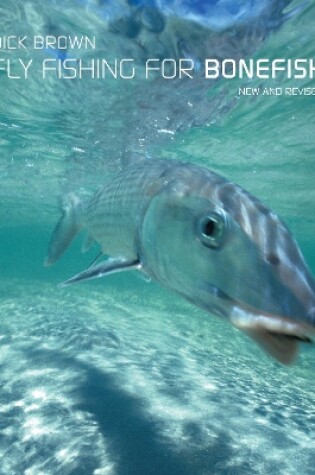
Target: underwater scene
pixel 159 156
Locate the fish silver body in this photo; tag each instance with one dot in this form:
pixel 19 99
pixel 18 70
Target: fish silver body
pixel 207 239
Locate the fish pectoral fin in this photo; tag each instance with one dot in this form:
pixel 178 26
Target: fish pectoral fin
pixel 87 243
pixel 105 268
pixel 281 346
pixel 99 255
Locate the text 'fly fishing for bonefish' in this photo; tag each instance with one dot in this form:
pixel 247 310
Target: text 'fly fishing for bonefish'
pixel 207 239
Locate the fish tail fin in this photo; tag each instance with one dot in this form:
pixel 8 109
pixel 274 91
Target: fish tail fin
pixel 66 229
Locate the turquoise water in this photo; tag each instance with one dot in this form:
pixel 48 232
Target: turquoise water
pixel 120 376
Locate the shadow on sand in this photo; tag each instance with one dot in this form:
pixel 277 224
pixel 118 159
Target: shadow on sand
pixel 136 442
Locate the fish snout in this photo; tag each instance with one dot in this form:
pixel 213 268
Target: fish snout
pixel 281 314
pixel 300 290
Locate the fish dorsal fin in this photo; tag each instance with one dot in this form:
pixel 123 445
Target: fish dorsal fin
pixel 110 266
pixel 282 347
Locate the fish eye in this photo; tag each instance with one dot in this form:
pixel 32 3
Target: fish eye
pixel 211 230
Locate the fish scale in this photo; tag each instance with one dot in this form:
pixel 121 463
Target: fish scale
pixel 112 216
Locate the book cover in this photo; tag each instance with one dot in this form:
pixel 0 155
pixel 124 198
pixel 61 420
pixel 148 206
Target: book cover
pixel 156 237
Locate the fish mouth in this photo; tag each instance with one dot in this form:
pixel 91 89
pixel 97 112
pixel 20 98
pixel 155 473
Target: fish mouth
pixel 245 317
pixel 278 335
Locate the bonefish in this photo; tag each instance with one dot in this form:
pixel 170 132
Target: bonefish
pixel 205 238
